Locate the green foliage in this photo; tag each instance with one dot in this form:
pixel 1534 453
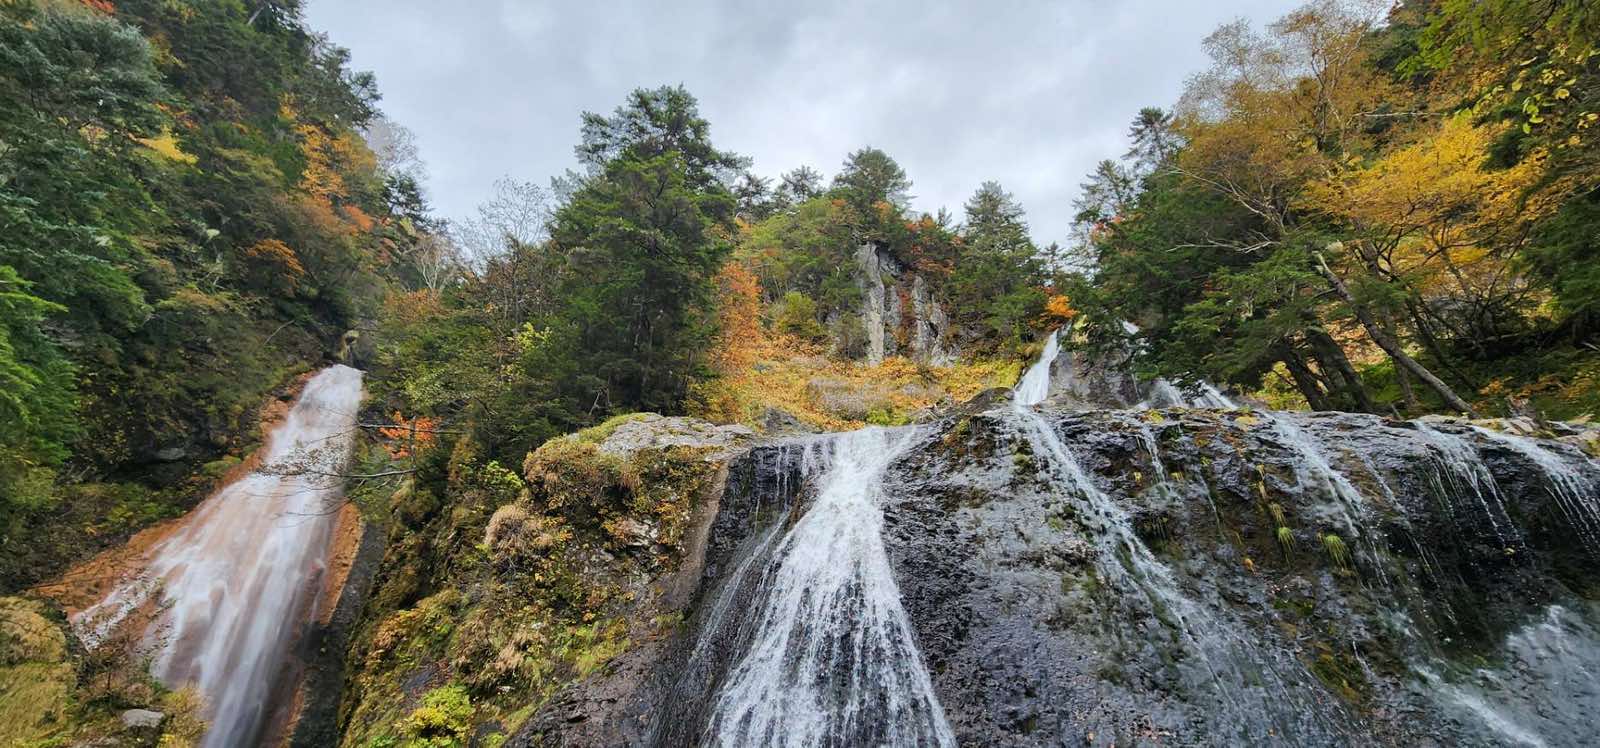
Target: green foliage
pixel 1565 253
pixel 187 214
pixel 988 274
pixel 444 720
pixel 36 398
pixel 1258 240
pixel 642 248
pixel 871 177
pixel 797 316
pixel 997 277
pixel 613 313
pixel 1338 552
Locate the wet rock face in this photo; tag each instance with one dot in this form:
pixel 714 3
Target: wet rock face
pixel 1239 631
pixel 1183 577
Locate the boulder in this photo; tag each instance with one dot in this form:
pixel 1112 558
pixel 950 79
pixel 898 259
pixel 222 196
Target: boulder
pixel 142 719
pixel 652 431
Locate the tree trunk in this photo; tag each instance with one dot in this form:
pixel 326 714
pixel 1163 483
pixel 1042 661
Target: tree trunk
pixel 1431 342
pixel 1406 392
pixel 1304 379
pixel 1337 364
pixel 1389 344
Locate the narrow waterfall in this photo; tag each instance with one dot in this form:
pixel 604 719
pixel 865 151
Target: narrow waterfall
pixel 243 570
pixel 1572 488
pixel 831 659
pixel 1034 386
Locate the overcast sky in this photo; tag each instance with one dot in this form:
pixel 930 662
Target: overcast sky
pixel 1030 94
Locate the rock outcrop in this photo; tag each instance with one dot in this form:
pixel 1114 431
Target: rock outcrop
pixel 899 313
pixel 1186 577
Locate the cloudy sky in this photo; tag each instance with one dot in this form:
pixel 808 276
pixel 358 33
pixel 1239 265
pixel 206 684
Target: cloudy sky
pixel 1025 92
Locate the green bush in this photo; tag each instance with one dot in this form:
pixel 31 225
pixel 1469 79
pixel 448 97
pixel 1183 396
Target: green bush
pixel 797 315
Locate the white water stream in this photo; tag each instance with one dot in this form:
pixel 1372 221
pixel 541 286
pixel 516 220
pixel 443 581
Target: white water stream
pixel 241 574
pixel 833 659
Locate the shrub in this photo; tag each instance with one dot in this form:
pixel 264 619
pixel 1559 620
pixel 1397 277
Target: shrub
pixel 798 316
pixel 572 473
pixel 443 720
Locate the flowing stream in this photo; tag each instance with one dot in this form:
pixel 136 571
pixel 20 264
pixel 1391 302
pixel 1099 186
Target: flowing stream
pixel 238 578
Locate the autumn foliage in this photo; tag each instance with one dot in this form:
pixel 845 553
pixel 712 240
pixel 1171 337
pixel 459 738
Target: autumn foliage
pixel 406 437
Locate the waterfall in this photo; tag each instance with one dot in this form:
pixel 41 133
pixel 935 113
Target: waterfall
pixel 241 573
pixel 1211 397
pixel 832 659
pixel 1570 487
pixel 1034 386
pixel 1261 697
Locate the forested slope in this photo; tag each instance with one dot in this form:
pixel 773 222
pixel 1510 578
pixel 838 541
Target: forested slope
pixel 188 215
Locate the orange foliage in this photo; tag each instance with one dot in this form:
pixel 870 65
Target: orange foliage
pixel 274 264
pixel 408 436
pixel 1058 310
pixel 411 307
pixel 739 318
pixel 104 6
pixel 360 218
pixel 320 216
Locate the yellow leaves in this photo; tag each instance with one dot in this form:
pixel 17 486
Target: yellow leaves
pixel 1436 195
pixel 1058 310
pixel 1437 213
pixel 166 145
pixel 330 156
pixel 738 317
pixel 406 308
pixel 319 178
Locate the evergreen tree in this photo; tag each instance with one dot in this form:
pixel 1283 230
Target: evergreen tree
pixel 1155 139
pixel 870 177
pixel 644 237
pixel 998 273
pixel 655 122
pixel 799 185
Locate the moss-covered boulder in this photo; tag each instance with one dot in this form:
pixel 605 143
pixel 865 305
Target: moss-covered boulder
pixel 502 588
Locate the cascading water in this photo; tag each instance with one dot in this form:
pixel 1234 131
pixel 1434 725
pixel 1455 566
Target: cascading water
pixel 1042 576
pixel 1263 698
pixel 1034 386
pixel 1572 489
pixel 832 659
pixel 243 570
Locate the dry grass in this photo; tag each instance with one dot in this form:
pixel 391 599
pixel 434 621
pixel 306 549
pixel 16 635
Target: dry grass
pixel 787 371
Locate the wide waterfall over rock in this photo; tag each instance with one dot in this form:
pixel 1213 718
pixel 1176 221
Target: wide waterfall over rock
pixel 243 571
pixel 1041 574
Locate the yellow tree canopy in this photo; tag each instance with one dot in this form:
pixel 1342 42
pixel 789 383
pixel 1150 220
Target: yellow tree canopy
pixel 1437 212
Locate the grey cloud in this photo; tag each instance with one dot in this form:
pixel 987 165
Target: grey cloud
pixel 1027 93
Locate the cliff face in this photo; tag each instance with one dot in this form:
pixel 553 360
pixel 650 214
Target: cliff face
pixel 899 314
pixel 1186 576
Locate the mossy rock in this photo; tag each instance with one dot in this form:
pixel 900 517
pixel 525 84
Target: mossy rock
pixel 36 676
